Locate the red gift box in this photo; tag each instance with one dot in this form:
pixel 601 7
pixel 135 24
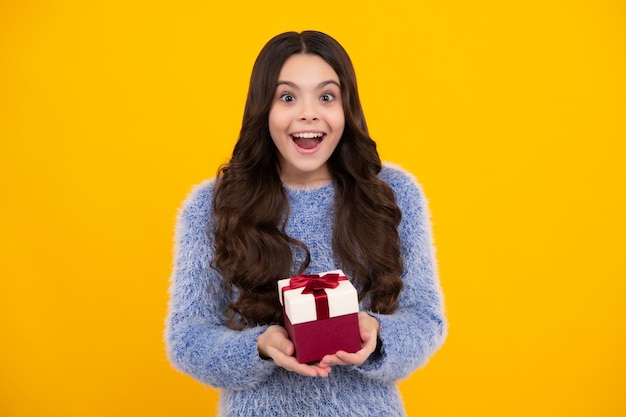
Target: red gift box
pixel 321 314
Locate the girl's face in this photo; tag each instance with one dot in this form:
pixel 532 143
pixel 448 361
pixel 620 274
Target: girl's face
pixel 306 120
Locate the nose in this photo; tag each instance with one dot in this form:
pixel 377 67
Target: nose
pixel 308 112
pixel 307 117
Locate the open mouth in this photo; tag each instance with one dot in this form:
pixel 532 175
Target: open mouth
pixel 307 140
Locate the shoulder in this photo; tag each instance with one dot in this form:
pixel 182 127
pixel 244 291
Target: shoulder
pixel 415 227
pixel 404 184
pixel 200 195
pixel 197 206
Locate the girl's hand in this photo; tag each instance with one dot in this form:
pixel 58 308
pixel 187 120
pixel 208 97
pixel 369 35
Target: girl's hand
pixel 273 343
pixel 369 328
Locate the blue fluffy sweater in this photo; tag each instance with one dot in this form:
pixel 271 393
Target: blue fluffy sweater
pixel 199 343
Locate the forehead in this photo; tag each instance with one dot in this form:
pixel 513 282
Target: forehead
pixel 304 68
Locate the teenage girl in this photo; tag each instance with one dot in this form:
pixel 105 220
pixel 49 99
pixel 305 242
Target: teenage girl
pixel 304 192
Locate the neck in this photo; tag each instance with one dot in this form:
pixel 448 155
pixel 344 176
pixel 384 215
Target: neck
pixel 308 184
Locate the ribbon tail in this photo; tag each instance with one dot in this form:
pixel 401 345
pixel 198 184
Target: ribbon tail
pixel 321 304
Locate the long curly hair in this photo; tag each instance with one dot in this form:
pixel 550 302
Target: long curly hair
pixel 252 249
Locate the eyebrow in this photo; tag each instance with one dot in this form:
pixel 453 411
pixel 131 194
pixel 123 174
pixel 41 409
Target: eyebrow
pixel 319 86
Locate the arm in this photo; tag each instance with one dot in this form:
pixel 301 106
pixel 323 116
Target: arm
pixel 197 339
pixel 418 328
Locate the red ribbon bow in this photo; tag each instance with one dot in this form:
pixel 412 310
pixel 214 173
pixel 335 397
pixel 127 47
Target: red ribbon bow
pixel 315 284
pixel 311 283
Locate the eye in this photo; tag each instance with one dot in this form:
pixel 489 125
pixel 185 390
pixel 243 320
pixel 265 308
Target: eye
pixel 327 97
pixel 287 97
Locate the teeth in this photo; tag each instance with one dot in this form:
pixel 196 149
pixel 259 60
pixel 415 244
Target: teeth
pixel 308 135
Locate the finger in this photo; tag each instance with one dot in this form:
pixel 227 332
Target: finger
pixel 310 370
pixel 367 322
pixel 359 357
pixel 369 340
pixel 291 364
pixel 331 360
pixel 366 337
pixel 352 358
pixel 322 370
pixel 326 360
pixel 285 346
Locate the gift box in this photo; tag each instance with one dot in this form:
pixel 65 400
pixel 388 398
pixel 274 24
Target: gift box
pixel 321 314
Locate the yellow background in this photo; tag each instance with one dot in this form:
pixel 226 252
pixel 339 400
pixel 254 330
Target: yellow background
pixel 512 115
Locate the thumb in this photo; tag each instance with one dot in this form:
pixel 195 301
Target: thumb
pixel 285 346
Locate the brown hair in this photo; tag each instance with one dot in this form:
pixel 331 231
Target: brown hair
pixel 252 250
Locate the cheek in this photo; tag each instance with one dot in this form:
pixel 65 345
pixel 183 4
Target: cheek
pixel 338 121
pixel 278 121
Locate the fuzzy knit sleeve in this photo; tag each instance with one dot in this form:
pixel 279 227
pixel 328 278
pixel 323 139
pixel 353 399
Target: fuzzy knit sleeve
pixel 418 328
pixel 197 340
